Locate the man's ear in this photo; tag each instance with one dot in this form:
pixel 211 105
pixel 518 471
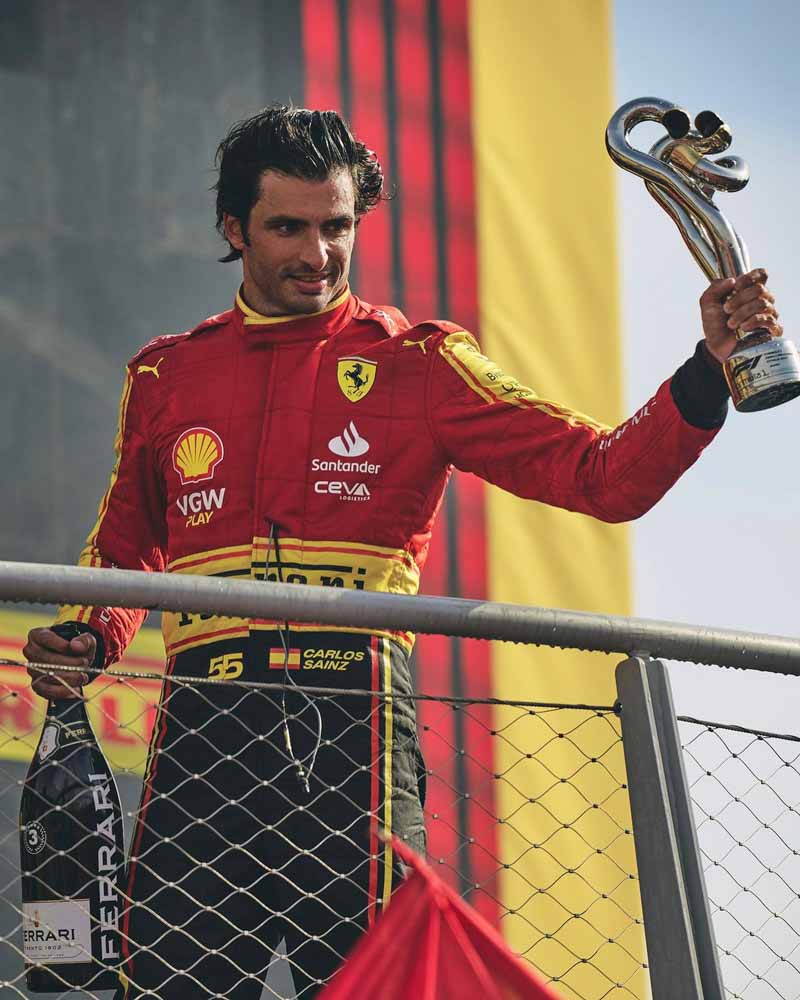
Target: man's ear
pixel 234 233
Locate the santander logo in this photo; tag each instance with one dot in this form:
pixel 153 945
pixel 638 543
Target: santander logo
pixel 349 444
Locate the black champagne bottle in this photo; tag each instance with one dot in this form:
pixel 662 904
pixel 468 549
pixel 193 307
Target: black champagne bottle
pixel 71 852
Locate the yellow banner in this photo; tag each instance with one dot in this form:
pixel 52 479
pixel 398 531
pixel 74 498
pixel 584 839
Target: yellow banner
pixel 549 314
pixel 121 710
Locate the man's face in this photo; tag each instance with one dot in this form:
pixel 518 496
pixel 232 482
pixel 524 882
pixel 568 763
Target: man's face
pixel 300 238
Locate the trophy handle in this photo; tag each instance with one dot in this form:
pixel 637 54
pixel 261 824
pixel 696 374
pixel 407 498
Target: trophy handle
pixel 694 233
pixel 761 371
pixel 684 190
pixel 704 176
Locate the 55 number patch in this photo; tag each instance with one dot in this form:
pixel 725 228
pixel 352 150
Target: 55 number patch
pixel 227 667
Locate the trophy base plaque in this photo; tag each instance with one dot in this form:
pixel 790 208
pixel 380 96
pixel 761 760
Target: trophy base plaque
pixel 763 375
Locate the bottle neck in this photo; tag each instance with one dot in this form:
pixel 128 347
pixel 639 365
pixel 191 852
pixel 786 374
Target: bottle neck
pixel 67 711
pixel 750 338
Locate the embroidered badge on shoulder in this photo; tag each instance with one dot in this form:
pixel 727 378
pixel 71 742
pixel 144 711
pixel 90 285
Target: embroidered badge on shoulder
pixel 356 376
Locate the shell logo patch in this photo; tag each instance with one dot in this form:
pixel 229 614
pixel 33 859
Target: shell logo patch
pixel 356 376
pixel 196 454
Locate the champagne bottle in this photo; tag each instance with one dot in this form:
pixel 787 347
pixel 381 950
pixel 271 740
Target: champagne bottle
pixel 71 852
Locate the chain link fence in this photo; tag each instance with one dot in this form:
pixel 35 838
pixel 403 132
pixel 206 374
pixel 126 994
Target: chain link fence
pixel 567 896
pixel 527 806
pixel 563 768
pixel 745 787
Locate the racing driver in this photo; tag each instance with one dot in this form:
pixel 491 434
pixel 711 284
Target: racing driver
pixel 306 436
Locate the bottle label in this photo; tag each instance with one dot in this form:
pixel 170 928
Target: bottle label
pixel 57 931
pixel 57 733
pixel 49 741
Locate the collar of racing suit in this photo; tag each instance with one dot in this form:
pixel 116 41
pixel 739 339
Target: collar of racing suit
pixel 313 326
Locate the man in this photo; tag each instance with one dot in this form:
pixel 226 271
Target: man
pixel 307 436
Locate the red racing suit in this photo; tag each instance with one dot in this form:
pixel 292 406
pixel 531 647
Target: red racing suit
pixel 315 449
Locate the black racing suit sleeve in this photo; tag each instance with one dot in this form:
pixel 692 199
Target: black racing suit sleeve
pixel 700 391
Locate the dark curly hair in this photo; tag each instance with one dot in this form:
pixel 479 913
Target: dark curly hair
pixel 296 142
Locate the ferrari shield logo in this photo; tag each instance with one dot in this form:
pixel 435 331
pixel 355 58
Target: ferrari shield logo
pixel 356 377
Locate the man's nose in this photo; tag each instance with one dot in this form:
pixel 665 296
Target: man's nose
pixel 314 252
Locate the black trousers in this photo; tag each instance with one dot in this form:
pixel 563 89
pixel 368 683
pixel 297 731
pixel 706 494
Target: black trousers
pixel 232 853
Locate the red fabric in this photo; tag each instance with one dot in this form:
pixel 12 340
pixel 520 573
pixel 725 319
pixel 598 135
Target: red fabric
pixel 268 395
pixel 429 945
pixel 366 31
pixel 321 54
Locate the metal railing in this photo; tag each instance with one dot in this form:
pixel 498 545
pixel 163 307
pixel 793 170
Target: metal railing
pixel 665 784
pixel 40 583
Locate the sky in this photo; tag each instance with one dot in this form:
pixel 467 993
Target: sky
pixel 722 548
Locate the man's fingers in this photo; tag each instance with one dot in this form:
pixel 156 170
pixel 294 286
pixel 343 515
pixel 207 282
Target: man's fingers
pixel 758 307
pixel 57 685
pixel 55 691
pixel 40 654
pixel 84 645
pixel 46 646
pixel 731 307
pixel 758 276
pixel 46 638
pixel 749 294
pixel 763 321
pixel 721 288
pixel 717 292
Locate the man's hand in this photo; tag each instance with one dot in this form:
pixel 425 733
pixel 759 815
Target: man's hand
pixel 743 303
pixel 45 646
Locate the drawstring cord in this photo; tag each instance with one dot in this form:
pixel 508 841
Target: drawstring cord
pixel 303 773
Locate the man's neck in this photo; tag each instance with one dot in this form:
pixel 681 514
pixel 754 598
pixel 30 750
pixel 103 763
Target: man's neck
pixel 258 305
pixel 253 300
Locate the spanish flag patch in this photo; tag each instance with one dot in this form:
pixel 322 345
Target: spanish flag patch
pixel 279 658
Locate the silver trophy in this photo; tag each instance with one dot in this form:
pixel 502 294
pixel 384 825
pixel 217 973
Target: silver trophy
pixel 762 371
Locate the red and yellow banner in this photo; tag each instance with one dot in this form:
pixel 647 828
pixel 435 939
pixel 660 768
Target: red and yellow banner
pixel 548 290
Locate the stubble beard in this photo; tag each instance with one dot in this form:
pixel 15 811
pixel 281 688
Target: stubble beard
pixel 303 304
pixel 281 297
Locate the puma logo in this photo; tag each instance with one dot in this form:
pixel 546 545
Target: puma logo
pixel 150 368
pixel 418 343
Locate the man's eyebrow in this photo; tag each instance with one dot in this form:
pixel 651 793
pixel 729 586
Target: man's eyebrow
pixel 282 219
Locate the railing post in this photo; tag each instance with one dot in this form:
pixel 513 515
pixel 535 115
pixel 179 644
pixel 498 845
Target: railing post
pixel 671 950
pixel 683 818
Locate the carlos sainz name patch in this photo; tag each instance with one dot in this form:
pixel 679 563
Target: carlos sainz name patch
pixel 314 659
